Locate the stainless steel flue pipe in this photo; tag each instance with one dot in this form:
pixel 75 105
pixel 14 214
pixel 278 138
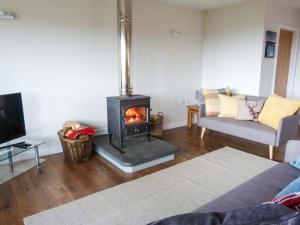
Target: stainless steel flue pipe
pixel 125 46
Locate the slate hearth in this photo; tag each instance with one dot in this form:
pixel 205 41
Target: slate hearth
pixel 136 156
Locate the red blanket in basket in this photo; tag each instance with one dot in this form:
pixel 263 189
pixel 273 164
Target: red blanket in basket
pixel 85 131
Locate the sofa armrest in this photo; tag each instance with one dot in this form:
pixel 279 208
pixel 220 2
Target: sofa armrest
pixel 202 109
pixel 292 151
pixel 288 129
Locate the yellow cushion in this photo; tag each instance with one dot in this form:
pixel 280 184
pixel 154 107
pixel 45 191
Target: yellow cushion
pixel 275 109
pixel 229 105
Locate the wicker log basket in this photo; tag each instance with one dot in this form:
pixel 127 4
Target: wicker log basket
pixel 76 140
pixel 76 150
pixel 156 124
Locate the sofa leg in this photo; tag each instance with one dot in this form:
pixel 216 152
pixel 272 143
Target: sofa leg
pixel 203 132
pixel 271 152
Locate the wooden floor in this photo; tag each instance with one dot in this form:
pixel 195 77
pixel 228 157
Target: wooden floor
pixel 62 181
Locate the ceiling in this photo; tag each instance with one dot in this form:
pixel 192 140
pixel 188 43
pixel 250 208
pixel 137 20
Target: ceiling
pixel 204 4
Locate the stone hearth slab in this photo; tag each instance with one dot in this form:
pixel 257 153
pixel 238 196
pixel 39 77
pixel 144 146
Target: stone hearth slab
pixel 138 155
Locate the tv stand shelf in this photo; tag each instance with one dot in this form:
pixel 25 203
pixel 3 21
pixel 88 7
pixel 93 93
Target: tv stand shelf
pixel 9 151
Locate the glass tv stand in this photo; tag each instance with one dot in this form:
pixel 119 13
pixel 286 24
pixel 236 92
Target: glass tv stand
pixel 11 151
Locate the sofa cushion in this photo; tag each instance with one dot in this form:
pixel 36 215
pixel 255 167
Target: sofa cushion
pixel 212 101
pixel 249 110
pixel 292 187
pixel 244 129
pixel 292 201
pixel 257 190
pixel 277 108
pixel 229 105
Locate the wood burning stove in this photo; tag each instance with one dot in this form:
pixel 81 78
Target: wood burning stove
pixel 128 117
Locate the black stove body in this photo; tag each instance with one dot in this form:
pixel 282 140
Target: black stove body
pixel 128 117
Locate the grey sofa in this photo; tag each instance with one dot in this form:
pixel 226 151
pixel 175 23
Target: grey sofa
pixel 250 130
pixel 259 189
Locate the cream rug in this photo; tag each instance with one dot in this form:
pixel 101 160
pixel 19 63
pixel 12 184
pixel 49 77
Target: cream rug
pixel 178 189
pixel 19 168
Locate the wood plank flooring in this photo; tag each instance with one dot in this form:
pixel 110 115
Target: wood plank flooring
pixel 62 181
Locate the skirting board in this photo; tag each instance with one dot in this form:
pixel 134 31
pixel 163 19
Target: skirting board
pixel 174 125
pixel 136 168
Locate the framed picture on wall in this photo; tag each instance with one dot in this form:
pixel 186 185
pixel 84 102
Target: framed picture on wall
pixel 270 50
pixel 271 36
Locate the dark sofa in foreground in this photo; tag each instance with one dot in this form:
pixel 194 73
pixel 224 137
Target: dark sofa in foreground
pixel 244 204
pixel 261 188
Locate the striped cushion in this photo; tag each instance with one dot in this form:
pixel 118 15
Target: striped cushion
pixel 212 101
pixel 291 201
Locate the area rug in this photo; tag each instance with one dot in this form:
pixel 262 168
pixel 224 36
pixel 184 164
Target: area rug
pixel 178 189
pixel 19 168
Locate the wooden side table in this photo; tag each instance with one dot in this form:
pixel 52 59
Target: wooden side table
pixel 191 111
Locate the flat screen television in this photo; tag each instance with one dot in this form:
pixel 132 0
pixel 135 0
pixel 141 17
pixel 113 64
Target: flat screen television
pixel 12 125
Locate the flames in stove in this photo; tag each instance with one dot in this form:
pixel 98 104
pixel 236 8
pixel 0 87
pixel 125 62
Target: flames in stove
pixel 135 115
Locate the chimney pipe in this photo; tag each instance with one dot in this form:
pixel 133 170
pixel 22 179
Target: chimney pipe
pixel 125 46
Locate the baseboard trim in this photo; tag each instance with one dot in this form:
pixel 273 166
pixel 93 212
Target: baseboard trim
pixel 174 125
pixel 101 131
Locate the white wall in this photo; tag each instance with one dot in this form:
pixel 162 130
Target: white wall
pixel 167 68
pixel 232 49
pixel 279 16
pixel 62 56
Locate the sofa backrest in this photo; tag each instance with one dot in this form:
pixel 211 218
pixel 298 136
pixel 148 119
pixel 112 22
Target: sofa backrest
pixel 199 96
pixel 256 98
